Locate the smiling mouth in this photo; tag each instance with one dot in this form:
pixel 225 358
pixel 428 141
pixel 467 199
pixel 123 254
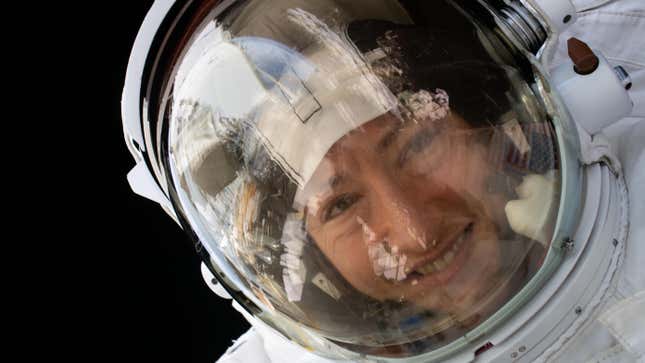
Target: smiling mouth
pixel 444 260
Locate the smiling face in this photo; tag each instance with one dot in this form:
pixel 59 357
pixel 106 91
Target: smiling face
pixel 401 209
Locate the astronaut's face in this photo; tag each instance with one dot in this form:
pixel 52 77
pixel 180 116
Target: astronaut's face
pixel 402 212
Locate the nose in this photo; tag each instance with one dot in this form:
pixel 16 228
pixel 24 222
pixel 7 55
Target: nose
pixel 398 215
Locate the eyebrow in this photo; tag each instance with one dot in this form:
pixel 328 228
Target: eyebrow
pixel 336 180
pixel 418 140
pixel 389 138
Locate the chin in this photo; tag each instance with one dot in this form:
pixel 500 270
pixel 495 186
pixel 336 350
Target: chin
pixel 469 290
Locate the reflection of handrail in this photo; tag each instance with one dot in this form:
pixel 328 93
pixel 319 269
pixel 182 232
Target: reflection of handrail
pixel 302 100
pixel 285 76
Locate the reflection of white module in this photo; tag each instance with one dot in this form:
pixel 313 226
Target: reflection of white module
pixel 294 271
pixel 325 285
pixel 531 215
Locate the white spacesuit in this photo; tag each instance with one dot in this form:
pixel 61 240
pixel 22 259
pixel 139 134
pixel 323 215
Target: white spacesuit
pixel 404 181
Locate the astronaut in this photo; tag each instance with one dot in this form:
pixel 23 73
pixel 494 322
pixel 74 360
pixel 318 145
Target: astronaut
pixel 403 181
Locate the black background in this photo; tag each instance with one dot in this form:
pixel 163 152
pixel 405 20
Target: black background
pixel 137 292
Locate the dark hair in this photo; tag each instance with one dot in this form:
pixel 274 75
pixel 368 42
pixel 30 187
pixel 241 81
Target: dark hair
pixel 430 58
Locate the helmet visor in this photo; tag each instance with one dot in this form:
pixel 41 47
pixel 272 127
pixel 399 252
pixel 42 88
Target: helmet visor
pixel 386 183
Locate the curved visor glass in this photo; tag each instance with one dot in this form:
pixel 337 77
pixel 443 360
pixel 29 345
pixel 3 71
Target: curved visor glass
pixel 368 169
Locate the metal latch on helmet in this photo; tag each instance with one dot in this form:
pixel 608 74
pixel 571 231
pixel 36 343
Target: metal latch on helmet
pixel 142 183
pixel 213 284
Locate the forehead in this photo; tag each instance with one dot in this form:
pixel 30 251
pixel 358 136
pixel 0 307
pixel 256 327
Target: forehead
pixel 363 139
pixel 377 134
pixel 369 135
pixel 367 142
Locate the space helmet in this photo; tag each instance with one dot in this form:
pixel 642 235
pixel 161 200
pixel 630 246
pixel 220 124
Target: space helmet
pixel 372 179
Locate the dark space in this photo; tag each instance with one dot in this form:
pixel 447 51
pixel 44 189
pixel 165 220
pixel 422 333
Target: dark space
pixel 152 304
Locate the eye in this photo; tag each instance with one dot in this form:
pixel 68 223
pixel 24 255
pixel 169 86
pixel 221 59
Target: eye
pixel 339 205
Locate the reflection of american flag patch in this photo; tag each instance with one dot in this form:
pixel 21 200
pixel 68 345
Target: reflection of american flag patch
pixel 514 132
pixel 513 157
pixel 524 148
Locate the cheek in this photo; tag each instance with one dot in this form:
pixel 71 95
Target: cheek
pixel 487 257
pixel 474 284
pixel 471 168
pixel 488 249
pixel 467 171
pixel 347 252
pixel 350 255
pixel 462 165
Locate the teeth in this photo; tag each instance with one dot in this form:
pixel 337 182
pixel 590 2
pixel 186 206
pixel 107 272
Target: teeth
pixel 427 269
pixel 442 261
pixel 439 264
pixel 460 239
pixel 447 258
